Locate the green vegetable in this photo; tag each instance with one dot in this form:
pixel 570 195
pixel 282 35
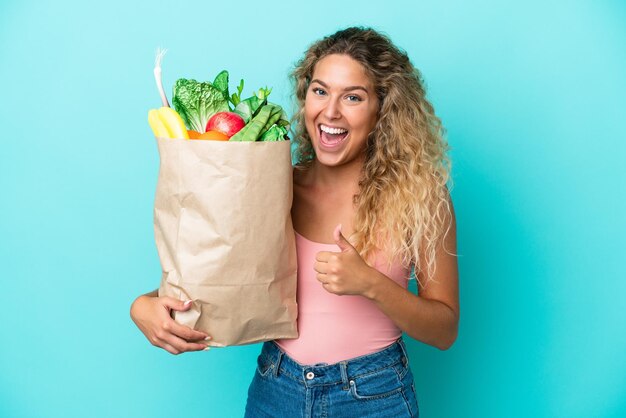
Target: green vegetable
pixel 235 99
pixel 221 83
pixel 275 115
pixel 249 107
pixel 275 133
pixel 197 101
pixel 267 116
pixel 263 93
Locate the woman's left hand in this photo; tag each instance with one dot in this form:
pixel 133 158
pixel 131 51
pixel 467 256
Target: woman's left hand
pixel 344 272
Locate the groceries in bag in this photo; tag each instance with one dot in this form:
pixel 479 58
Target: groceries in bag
pixel 206 110
pixel 222 212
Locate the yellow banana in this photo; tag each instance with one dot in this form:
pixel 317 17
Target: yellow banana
pixel 167 123
pixel 173 122
pixel 159 129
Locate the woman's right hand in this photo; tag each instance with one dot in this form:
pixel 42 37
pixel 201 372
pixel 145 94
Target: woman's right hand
pixel 152 315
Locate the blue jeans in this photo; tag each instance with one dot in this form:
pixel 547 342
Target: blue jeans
pixel 374 385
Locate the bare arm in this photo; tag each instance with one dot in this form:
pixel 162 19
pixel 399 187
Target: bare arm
pixel 153 294
pixel 433 316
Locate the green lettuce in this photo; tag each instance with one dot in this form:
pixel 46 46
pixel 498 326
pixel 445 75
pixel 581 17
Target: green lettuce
pixel 221 83
pixel 275 133
pixel 197 101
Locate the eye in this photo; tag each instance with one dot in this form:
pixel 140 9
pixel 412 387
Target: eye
pixel 318 91
pixel 353 98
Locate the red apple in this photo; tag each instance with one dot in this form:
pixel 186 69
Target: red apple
pixel 228 123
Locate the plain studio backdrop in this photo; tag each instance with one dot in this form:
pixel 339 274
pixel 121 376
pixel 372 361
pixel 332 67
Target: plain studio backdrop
pixel 533 96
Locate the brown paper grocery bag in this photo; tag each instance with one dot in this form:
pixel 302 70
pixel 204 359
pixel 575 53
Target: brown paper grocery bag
pixel 222 221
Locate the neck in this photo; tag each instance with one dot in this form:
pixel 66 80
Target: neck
pixel 342 176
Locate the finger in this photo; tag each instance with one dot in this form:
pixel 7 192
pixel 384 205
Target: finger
pixel 161 343
pixel 186 333
pixel 176 304
pixel 173 350
pixel 170 325
pixel 320 267
pixel 178 329
pixel 337 233
pixel 328 287
pixel 169 348
pixel 341 241
pixel 181 345
pixel 321 277
pixel 323 256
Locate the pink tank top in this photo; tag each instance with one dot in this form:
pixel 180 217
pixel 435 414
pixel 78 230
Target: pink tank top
pixel 333 328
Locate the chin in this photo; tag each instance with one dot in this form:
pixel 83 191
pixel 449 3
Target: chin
pixel 329 162
pixel 335 160
pixel 328 159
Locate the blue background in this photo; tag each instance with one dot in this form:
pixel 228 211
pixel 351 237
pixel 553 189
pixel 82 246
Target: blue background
pixel 533 95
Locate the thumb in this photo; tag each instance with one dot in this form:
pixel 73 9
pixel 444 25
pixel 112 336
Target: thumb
pixel 341 241
pixel 176 304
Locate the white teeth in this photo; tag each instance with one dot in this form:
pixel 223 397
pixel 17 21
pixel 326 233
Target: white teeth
pixel 334 131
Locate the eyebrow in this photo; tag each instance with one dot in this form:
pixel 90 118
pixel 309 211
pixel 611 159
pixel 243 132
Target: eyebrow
pixel 349 88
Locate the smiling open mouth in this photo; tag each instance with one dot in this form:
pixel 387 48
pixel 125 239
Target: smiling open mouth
pixel 332 136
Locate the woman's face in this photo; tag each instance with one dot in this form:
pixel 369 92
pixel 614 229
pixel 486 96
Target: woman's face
pixel 340 109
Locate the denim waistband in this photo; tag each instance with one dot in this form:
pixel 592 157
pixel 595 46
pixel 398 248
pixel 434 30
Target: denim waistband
pixel 332 374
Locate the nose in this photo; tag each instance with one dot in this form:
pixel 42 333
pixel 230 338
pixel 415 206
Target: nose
pixel 332 111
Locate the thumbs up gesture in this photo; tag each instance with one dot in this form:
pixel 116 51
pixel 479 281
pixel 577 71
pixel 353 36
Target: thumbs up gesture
pixel 343 272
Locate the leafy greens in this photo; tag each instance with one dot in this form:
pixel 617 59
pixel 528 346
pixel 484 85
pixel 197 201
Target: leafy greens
pixel 197 101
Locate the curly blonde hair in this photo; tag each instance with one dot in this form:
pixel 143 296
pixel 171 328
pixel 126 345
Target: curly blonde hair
pixel 403 204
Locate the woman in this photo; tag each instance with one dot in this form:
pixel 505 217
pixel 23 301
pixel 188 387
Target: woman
pixel 370 203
